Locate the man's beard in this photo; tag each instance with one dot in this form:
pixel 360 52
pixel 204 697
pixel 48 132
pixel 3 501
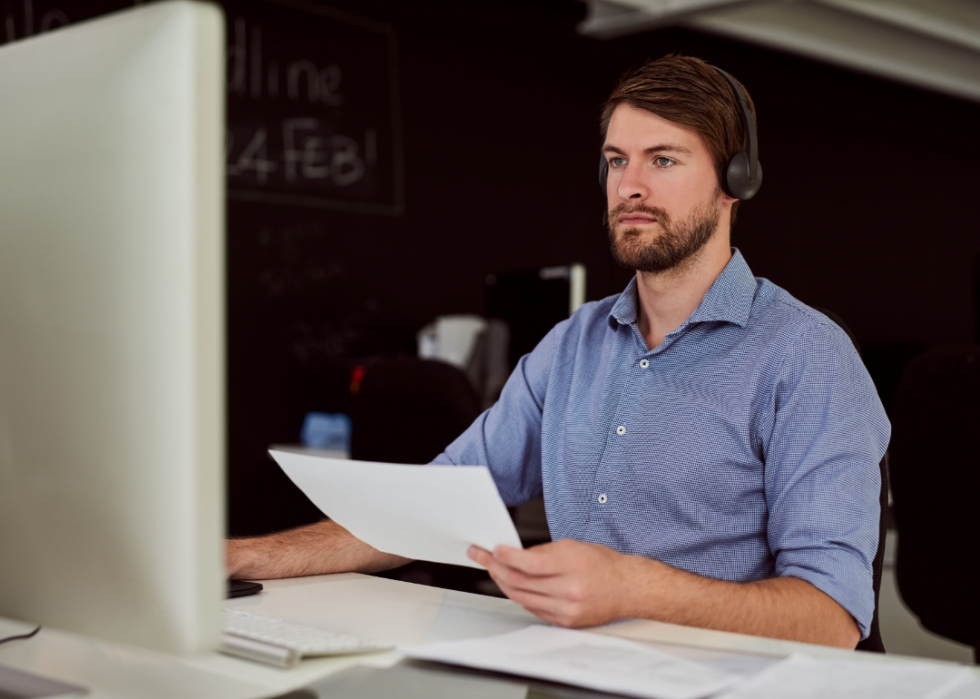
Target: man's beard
pixel 672 248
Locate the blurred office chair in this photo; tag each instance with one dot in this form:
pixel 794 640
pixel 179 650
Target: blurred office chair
pixel 873 642
pixel 409 410
pixel 935 467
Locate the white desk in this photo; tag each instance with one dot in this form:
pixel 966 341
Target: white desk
pixel 394 611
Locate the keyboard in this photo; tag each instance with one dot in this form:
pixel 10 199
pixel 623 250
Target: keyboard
pixel 284 643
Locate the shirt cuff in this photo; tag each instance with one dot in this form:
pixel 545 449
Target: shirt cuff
pixel 841 574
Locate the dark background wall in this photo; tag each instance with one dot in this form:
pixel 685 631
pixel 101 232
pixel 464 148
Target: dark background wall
pixel 866 210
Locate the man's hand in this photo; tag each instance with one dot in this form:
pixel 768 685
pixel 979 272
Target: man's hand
pixel 570 583
pixel 567 582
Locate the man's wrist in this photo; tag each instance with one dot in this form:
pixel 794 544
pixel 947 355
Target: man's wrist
pixel 239 558
pixel 640 585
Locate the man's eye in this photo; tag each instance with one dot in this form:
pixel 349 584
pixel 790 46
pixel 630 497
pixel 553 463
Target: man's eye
pixel 617 162
pixel 663 161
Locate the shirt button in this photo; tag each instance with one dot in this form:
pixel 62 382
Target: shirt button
pixel 644 363
pixel 602 498
pixel 620 430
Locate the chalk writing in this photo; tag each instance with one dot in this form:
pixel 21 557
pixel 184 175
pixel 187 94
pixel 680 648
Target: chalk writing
pixel 22 25
pixel 252 74
pixel 294 266
pixel 306 152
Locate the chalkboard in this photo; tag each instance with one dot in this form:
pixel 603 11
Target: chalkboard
pixel 313 110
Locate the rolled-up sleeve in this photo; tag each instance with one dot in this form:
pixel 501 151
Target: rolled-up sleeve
pixel 822 476
pixel 507 437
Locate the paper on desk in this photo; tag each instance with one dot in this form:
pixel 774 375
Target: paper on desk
pixel 428 513
pixel 803 677
pixel 581 658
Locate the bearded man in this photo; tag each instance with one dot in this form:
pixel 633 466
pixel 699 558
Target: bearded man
pixel 707 445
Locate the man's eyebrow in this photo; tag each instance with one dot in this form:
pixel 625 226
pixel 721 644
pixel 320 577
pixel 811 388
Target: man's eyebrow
pixel 661 148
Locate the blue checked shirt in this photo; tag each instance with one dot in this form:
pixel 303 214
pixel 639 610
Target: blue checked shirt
pixel 744 447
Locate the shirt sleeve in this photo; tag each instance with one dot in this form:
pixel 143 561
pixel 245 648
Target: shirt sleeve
pixel 822 474
pixel 507 437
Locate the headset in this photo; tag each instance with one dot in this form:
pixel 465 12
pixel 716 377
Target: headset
pixel 743 176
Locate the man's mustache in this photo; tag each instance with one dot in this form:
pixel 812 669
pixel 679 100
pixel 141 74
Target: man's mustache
pixel 663 218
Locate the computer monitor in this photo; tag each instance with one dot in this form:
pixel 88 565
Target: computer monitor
pixel 112 324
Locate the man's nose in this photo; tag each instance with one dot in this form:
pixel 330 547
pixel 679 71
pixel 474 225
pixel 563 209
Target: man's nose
pixel 631 184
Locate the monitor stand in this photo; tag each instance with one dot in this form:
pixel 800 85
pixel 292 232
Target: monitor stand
pixel 17 684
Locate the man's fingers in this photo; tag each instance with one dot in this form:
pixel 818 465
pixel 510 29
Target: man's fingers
pixel 545 597
pixel 481 556
pixel 523 589
pixel 513 579
pixel 552 609
pixel 536 561
pixel 519 578
pixel 503 575
pixel 534 602
pixel 531 599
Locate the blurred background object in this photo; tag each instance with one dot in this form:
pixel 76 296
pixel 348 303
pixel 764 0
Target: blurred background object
pixel 533 301
pixel 935 469
pixel 326 432
pixel 933 44
pixel 473 344
pixel 408 410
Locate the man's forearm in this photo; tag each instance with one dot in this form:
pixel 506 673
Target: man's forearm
pixel 317 549
pixel 786 608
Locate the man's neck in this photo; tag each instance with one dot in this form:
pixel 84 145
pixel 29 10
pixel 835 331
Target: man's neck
pixel 667 299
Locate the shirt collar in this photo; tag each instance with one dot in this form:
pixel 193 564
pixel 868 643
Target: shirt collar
pixel 729 299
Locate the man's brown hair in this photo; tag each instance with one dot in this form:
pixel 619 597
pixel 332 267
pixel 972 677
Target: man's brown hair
pixel 690 92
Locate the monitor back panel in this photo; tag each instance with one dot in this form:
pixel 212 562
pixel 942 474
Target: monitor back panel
pixel 112 327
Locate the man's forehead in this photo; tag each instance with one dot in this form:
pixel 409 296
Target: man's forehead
pixel 631 128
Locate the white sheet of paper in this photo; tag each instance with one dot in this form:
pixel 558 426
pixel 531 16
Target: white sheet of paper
pixel 803 677
pixel 581 658
pixel 427 513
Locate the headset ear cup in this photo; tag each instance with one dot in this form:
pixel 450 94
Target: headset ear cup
pixel 737 177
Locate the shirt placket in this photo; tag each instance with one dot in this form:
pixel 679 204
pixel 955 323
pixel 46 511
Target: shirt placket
pixel 619 438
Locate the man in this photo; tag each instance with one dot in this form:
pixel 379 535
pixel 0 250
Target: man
pixel 707 445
